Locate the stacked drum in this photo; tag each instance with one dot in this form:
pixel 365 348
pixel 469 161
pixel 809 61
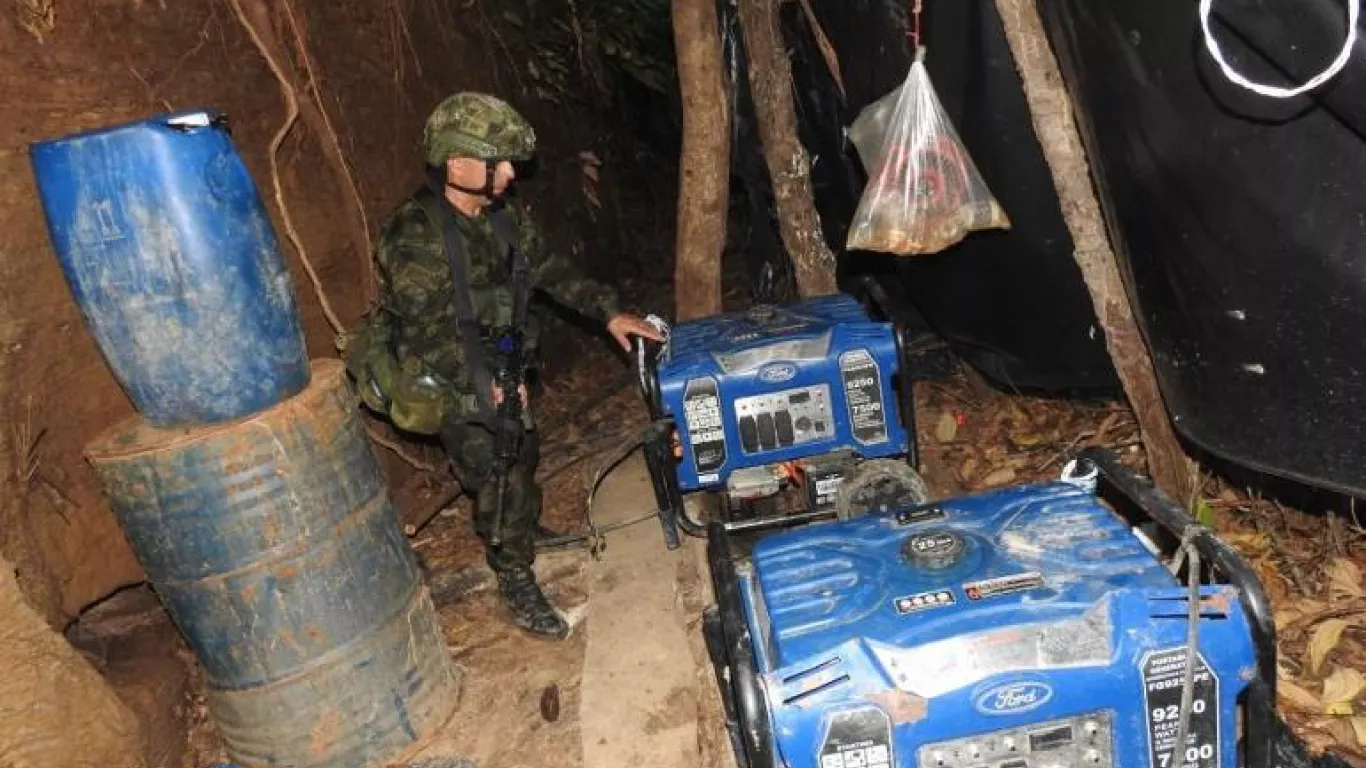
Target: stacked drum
pixel 245 484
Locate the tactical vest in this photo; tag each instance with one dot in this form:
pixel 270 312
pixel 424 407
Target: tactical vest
pixel 416 400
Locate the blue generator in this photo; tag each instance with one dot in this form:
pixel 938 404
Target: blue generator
pixel 812 395
pixel 1033 627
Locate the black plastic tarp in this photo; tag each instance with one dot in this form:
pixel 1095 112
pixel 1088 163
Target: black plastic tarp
pixel 1011 303
pixel 1239 219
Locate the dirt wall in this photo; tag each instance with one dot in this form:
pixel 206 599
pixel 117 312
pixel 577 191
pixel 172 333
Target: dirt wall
pixel 72 65
pixel 41 673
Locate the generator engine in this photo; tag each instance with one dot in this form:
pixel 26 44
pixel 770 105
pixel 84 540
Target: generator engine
pixel 800 393
pixel 1033 627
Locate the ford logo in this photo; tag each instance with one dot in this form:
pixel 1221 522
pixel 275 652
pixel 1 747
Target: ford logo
pixel 1013 698
pixel 772 374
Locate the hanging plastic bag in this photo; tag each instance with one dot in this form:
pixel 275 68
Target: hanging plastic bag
pixel 924 194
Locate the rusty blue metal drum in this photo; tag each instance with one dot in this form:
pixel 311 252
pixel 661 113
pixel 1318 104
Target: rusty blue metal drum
pixel 275 547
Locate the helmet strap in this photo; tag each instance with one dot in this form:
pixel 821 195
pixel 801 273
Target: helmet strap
pixel 490 171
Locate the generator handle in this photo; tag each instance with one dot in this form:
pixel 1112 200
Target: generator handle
pixel 646 355
pixel 1261 700
pixel 746 687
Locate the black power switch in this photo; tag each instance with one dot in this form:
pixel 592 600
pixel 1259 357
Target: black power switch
pixel 783 423
pixel 749 434
pixel 768 433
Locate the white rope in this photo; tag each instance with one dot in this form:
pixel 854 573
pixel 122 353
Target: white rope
pixel 1277 92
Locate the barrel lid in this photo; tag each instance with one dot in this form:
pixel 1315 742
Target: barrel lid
pixel 134 436
pixel 183 120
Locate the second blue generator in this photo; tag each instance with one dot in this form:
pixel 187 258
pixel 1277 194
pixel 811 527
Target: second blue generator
pixel 1042 626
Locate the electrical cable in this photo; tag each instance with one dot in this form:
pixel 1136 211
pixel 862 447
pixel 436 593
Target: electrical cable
pixel 593 534
pixel 1191 556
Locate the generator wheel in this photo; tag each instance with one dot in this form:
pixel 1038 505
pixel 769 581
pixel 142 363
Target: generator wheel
pixel 878 485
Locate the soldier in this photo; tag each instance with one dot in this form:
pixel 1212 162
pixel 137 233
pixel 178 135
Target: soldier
pixel 440 326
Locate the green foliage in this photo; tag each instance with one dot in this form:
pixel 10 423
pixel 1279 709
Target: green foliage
pixel 572 43
pixel 1204 513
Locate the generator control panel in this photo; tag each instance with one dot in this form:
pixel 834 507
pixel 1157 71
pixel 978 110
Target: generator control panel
pixel 780 383
pixel 1076 742
pixel 786 418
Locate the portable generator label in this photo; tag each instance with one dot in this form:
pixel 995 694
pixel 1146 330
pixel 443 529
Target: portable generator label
pixel 1164 675
pixel 937 598
pixel 860 738
pixel 863 393
pixel 702 412
pixel 827 490
pixel 1003 585
pixel 921 515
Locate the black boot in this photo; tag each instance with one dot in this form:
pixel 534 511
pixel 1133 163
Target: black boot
pixel 530 609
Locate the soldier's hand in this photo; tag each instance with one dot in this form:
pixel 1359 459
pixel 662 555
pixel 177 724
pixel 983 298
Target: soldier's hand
pixel 498 395
pixel 624 326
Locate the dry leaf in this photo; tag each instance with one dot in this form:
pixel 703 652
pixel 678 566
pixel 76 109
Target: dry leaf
pixel 1324 640
pixel 1343 686
pixel 1318 741
pixel 1300 697
pixel 968 469
pixel 999 477
pixel 1359 730
pixel 1287 616
pixel 1344 578
pixel 1252 543
pixel 946 428
pixel 1341 728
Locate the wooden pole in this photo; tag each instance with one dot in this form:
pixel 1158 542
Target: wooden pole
pixel 704 160
pixel 789 165
pixel 1051 110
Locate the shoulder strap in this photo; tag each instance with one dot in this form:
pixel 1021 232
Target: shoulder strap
pixel 453 244
pixel 505 229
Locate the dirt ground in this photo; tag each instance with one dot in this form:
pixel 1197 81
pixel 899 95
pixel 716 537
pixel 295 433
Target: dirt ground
pixel 525 702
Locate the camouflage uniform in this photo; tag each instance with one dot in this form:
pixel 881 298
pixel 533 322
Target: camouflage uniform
pixel 417 293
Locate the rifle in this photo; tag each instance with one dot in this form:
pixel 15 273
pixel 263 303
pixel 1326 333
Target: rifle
pixel 508 426
pixel 508 370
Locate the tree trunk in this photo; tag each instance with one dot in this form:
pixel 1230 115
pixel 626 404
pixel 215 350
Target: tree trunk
pixel 789 165
pixel 704 160
pixel 1051 109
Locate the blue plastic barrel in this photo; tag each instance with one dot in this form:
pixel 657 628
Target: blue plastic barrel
pixel 275 548
pixel 175 265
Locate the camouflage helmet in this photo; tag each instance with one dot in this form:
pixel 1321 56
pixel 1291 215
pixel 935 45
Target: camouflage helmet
pixel 477 125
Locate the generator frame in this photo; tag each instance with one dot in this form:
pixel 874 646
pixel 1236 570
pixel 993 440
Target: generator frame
pixel 662 464
pixel 730 645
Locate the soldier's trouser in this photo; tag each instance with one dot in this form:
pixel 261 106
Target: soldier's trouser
pixel 470 448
